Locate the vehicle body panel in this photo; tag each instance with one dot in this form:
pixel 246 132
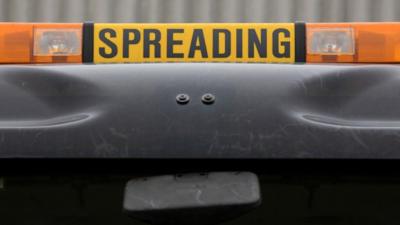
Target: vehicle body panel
pixel 263 111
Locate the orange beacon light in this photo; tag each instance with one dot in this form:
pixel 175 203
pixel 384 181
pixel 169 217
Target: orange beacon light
pixel 40 43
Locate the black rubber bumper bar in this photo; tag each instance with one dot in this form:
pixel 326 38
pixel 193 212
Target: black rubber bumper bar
pixel 261 111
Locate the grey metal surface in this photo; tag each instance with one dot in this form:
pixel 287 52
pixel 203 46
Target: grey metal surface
pixel 197 199
pixel 199 10
pixel 194 190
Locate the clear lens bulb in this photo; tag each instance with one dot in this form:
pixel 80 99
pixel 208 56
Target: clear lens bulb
pixel 331 41
pixel 57 42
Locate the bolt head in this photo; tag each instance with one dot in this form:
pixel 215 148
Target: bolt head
pixel 182 98
pixel 208 98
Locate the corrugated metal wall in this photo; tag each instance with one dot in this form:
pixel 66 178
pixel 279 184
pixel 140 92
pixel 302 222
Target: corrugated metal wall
pixel 199 10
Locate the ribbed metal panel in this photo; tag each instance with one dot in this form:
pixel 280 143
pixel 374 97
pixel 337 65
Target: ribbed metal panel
pixel 199 10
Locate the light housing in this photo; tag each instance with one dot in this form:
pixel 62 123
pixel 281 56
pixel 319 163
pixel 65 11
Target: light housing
pixel 355 42
pixel 26 43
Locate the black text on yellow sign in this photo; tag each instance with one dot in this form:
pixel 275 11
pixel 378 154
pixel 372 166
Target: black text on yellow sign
pixel 126 43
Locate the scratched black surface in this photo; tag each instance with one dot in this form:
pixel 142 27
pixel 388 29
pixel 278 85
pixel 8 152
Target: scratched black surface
pixel 262 111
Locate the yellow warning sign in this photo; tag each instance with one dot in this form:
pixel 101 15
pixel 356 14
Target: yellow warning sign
pixel 213 42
